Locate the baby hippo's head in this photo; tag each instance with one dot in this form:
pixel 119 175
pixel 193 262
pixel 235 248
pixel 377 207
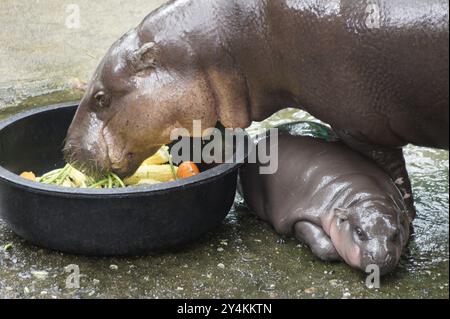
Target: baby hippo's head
pixel 371 233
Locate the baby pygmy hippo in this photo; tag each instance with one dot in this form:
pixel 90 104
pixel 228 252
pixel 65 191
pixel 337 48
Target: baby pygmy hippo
pixel 334 200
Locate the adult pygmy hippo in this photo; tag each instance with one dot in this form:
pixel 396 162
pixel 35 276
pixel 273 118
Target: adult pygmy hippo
pixel 334 200
pixel 377 71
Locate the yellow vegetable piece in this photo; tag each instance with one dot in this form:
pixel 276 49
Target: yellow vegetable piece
pixel 161 157
pixel 160 173
pixel 78 179
pixel 154 170
pixel 148 182
pixel 28 175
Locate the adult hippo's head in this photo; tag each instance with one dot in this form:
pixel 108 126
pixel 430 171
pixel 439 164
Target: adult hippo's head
pixel 168 72
pixel 140 92
pixel 371 233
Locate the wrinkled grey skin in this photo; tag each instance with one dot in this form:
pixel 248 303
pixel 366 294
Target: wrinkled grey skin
pixel 331 198
pixel 380 80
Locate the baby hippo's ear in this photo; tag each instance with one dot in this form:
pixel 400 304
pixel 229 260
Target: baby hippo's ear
pixel 342 214
pixel 144 57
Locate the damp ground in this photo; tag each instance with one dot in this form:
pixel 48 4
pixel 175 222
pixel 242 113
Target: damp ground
pixel 244 258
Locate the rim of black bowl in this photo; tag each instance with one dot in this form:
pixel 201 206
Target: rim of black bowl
pixel 9 177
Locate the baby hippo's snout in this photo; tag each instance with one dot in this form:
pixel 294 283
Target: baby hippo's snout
pixel 383 251
pixel 385 261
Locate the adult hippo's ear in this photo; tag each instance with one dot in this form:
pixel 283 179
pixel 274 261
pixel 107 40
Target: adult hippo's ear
pixel 144 57
pixel 342 214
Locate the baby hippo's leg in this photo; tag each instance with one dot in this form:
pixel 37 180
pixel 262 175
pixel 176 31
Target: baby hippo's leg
pixel 317 240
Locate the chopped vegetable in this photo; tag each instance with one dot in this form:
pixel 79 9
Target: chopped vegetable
pixel 187 170
pixel 28 175
pixel 67 177
pixel 161 157
pixel 110 181
pixel 157 169
pixel 160 173
pixel 172 167
pixel 148 182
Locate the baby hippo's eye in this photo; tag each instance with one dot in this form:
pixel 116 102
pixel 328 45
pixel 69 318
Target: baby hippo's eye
pixel 360 233
pixel 102 99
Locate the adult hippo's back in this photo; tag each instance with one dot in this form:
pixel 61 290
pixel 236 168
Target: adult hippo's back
pixel 377 71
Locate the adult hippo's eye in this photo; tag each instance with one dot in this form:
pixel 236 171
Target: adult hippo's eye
pixel 102 99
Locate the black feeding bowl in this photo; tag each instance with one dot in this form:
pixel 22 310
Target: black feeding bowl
pixel 129 221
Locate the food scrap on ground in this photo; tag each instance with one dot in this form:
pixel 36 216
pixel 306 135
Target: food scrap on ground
pixel 8 247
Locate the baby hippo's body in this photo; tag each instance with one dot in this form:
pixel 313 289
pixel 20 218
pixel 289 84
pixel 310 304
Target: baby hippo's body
pixel 334 200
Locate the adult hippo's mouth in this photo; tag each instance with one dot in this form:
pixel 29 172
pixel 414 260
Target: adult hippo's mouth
pixel 129 162
pixel 98 152
pixel 85 147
